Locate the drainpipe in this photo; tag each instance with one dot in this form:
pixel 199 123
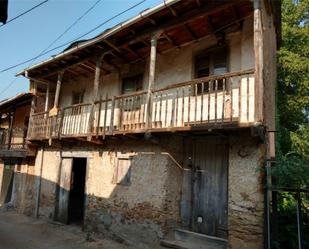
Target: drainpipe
pixel 39 183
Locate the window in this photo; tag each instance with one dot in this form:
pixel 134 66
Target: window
pixel 77 97
pixel 132 84
pixel 209 63
pixel 122 171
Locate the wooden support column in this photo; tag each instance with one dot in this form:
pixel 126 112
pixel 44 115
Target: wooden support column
pixel 47 98
pixel 12 119
pixel 152 69
pixel 33 90
pixel 54 110
pixel 258 52
pixel 95 93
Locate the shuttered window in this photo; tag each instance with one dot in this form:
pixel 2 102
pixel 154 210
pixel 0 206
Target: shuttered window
pixel 122 171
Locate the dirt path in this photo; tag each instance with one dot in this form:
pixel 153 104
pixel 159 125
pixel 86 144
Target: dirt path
pixel 22 232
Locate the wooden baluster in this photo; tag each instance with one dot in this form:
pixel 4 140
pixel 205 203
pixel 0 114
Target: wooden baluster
pixel 239 100
pixel 155 106
pixel 177 108
pixel 195 104
pixel 216 101
pixel 223 98
pixel 183 107
pixel 111 127
pixel 248 96
pixel 166 108
pixel 60 123
pixel 160 111
pixel 209 91
pixel 231 94
pixel 173 113
pixel 202 102
pixel 189 104
pixel 105 115
pixel 99 117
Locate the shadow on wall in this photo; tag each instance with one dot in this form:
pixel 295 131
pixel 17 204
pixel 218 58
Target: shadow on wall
pixel 131 197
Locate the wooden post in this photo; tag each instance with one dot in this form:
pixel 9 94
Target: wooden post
pixel 258 52
pixel 95 93
pixel 152 68
pixel 54 110
pixel 38 185
pixel 47 98
pixel 12 119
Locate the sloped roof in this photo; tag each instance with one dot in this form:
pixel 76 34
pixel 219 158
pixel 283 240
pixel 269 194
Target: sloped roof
pixel 15 101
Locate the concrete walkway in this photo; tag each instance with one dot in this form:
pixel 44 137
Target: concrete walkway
pixel 21 232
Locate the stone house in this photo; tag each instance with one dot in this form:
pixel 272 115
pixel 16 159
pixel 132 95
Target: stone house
pixel 16 157
pixel 158 128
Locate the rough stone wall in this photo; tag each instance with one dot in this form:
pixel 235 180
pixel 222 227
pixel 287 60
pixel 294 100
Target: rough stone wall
pixel 245 193
pixel 148 207
pixel 145 210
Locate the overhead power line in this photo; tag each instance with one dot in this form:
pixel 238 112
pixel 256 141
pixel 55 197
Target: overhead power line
pixel 27 11
pixel 67 30
pixel 69 42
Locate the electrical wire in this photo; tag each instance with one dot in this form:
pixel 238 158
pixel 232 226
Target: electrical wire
pixel 79 37
pixel 27 11
pixel 67 30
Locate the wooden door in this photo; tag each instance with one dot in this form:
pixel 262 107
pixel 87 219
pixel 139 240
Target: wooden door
pixel 64 191
pixel 209 186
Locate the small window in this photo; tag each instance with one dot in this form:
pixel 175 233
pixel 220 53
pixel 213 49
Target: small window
pixel 77 97
pixel 122 171
pixel 132 84
pixel 209 63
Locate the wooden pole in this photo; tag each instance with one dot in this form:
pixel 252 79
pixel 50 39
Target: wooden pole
pixel 47 98
pixel 95 93
pixel 53 112
pixel 258 52
pixel 152 68
pixel 12 119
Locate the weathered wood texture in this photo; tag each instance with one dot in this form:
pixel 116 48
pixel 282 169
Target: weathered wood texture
pixel 209 183
pixel 204 103
pixel 64 191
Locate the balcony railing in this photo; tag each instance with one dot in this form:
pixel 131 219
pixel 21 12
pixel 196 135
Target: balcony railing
pixel 15 141
pixel 205 103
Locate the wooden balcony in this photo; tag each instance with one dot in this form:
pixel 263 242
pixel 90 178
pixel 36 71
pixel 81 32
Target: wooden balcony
pixel 13 144
pixel 214 102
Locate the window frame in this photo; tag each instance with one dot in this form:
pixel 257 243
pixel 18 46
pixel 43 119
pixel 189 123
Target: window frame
pixel 210 52
pixel 126 181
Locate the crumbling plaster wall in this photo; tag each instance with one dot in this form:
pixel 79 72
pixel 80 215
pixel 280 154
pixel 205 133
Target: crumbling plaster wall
pixel 245 193
pixel 144 210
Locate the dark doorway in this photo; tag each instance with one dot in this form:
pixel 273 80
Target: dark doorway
pixel 77 190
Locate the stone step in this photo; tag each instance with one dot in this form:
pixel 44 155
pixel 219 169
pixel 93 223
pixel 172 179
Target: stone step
pixel 209 242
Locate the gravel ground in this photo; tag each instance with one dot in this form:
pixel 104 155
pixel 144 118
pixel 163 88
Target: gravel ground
pixel 22 232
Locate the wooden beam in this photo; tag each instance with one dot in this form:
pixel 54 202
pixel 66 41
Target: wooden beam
pixel 133 52
pixel 189 31
pixel 258 56
pixel 54 111
pixel 170 40
pixel 198 3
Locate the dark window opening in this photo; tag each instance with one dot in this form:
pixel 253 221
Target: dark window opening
pixel 77 97
pixel 210 63
pixel 77 192
pixel 131 85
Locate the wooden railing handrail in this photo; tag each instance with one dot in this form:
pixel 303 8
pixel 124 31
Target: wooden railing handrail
pixel 206 79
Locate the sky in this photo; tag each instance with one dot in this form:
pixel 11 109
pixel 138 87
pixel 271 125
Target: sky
pixel 27 36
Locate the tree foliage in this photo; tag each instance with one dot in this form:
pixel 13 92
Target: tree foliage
pixel 293 95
